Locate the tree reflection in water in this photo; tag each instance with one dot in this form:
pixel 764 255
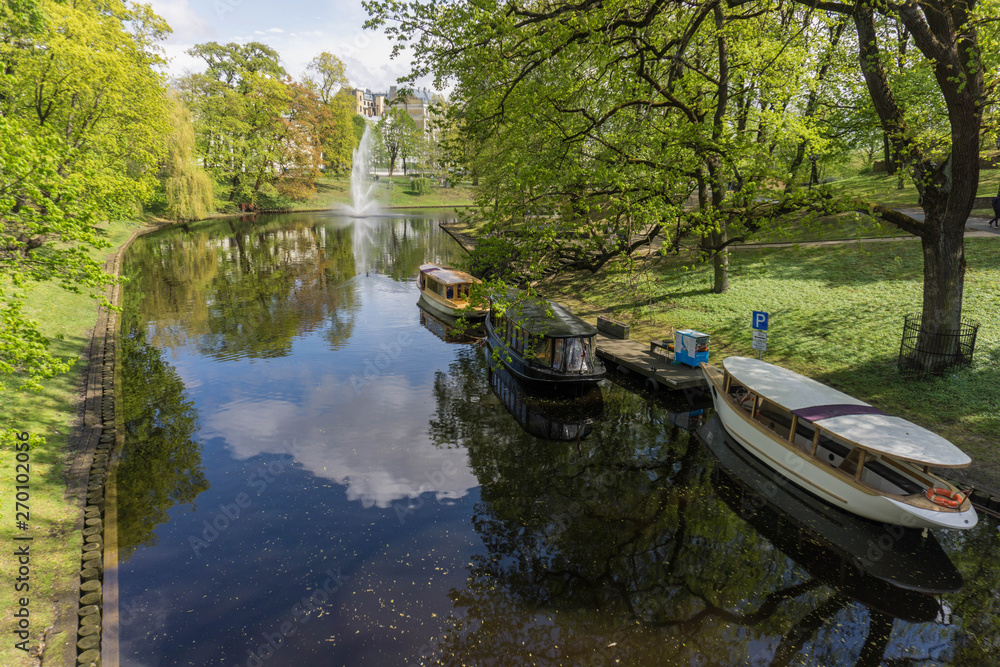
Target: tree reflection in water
pixel 617 549
pixel 160 463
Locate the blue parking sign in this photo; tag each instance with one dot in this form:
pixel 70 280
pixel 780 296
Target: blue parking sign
pixel 760 320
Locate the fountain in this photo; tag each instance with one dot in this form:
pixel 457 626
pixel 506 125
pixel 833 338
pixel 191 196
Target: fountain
pixel 362 204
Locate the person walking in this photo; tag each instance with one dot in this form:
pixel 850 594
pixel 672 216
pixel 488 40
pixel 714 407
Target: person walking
pixel 996 211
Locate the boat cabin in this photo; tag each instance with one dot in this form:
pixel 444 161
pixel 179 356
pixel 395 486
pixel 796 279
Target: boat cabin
pixel 446 283
pixel 547 335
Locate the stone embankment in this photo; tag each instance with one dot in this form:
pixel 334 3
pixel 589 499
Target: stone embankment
pixel 93 625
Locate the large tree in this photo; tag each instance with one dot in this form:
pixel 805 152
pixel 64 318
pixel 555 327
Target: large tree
pixel 594 125
pixel 944 169
pixel 397 136
pixel 240 106
pixel 82 127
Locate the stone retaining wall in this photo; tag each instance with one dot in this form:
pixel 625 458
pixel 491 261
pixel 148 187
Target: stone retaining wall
pixel 93 628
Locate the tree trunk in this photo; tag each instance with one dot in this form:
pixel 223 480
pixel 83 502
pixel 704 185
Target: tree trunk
pixel 947 189
pixel 236 184
pixel 889 155
pixel 720 259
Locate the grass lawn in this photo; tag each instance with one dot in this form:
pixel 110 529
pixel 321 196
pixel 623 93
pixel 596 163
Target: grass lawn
pixel 836 314
pixel 66 319
pixel 333 191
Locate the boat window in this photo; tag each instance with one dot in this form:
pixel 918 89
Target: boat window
pixel 576 355
pixel 832 450
pixel 885 478
pixel 804 434
pixel 743 396
pixel 557 353
pixel 450 293
pixel 775 418
pixel 542 350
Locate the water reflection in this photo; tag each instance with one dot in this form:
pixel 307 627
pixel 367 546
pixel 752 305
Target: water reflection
pixel 543 414
pixel 163 466
pixel 625 547
pixel 450 330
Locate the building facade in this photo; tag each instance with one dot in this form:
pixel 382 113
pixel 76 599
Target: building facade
pixel 368 103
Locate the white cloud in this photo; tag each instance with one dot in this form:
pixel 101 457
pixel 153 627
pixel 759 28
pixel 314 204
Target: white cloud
pixel 298 36
pixel 379 461
pixel 187 24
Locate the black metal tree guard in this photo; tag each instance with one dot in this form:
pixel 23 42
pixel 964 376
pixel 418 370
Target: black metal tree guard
pixel 938 352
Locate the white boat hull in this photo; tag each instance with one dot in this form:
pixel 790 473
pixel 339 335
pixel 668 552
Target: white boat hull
pixel 818 478
pixel 436 306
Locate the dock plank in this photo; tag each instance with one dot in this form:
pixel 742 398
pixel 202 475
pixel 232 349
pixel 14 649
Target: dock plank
pixel 637 358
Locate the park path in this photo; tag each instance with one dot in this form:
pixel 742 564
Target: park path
pixel 975 227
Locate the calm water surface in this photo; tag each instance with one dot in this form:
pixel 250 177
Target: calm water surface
pixel 316 472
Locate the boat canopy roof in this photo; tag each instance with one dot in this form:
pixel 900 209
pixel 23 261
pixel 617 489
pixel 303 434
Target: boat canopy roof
pixel 845 416
pixel 446 275
pixel 546 318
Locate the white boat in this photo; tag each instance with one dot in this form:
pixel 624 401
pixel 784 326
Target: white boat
pixel 838 448
pixel 446 290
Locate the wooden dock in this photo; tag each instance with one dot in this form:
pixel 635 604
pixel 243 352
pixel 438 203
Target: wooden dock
pixel 637 358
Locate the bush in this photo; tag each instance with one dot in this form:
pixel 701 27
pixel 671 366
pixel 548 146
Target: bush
pixel 420 185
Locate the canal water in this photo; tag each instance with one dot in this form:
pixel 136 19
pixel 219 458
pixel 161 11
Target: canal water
pixel 317 472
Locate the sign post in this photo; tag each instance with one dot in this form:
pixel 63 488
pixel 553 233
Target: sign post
pixel 759 324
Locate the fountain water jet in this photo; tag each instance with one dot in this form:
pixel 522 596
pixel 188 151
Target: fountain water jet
pixel 362 204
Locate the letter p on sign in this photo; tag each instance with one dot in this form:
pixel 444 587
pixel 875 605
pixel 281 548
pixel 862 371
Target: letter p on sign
pixel 760 320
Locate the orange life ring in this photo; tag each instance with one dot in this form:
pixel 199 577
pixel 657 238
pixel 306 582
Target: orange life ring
pixel 945 497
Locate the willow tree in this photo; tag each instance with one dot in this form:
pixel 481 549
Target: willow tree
pixel 187 187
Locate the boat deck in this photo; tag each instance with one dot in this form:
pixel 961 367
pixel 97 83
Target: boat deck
pixel 637 358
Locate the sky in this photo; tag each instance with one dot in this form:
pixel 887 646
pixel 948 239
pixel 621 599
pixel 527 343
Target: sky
pixel 298 30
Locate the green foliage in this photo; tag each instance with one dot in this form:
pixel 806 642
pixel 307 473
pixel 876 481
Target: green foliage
pixel 332 76
pixel 587 153
pixel 239 106
pixel 420 185
pixel 187 188
pixel 82 124
pixel 360 125
pixel 397 137
pixel 342 138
